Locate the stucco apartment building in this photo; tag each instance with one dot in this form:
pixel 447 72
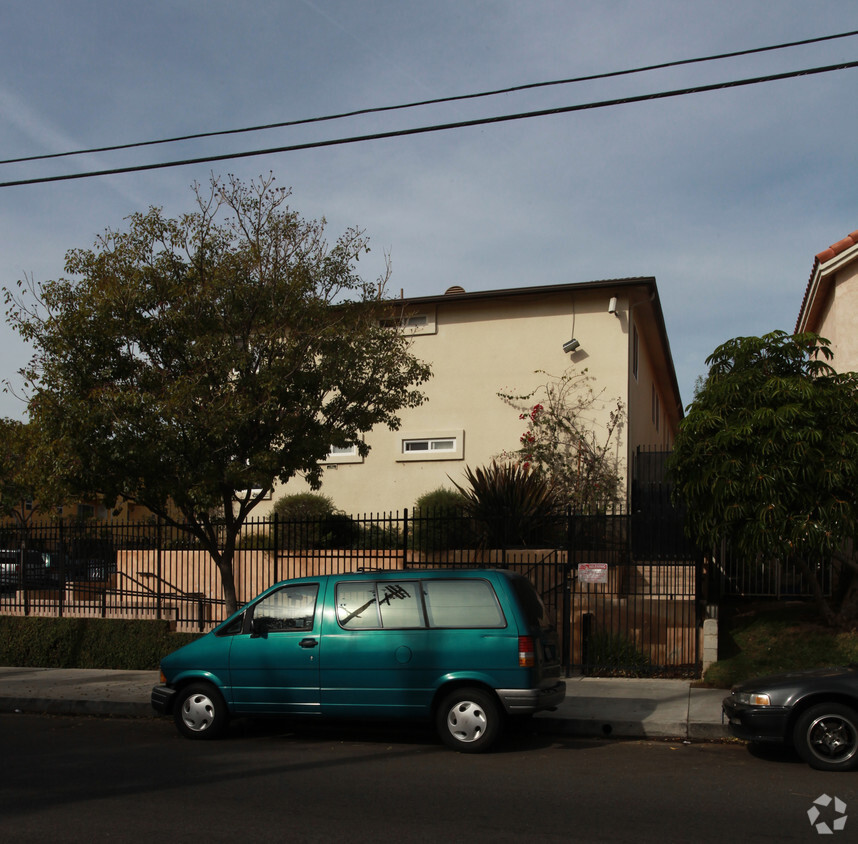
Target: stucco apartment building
pixel 482 343
pixel 830 304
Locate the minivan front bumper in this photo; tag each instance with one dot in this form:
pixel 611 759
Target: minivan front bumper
pixel 162 699
pixel 524 701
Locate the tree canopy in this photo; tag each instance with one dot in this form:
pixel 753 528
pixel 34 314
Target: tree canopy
pixel 27 483
pixel 189 364
pixel 766 458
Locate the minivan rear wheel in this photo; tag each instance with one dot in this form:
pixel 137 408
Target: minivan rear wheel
pixel 469 720
pixel 200 711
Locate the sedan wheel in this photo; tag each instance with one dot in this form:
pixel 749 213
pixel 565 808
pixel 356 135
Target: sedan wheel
pixel 200 712
pixel 826 737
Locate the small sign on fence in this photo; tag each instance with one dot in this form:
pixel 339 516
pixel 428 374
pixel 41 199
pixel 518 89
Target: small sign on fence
pixel 592 572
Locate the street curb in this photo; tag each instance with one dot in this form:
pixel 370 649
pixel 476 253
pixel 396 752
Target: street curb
pixel 53 706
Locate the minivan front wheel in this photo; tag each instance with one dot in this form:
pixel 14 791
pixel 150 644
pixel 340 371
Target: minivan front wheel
pixel 469 720
pixel 200 711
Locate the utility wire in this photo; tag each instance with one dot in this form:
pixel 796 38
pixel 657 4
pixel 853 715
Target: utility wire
pixel 436 101
pixel 420 130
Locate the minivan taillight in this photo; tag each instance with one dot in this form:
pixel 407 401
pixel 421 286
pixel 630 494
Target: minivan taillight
pixel 526 652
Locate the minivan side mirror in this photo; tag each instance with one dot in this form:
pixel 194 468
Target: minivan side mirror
pixel 258 628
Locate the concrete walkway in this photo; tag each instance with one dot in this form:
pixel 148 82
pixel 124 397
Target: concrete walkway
pixel 617 708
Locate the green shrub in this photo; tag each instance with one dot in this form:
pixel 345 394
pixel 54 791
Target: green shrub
pixel 440 522
pixel 304 505
pixel 610 654
pixel 87 643
pixel 310 520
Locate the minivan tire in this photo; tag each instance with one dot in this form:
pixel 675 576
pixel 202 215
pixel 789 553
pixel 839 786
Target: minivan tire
pixel 469 720
pixel 200 711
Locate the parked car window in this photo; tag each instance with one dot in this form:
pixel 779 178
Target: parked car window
pixel 287 610
pixel 363 606
pixel 462 603
pixel 235 627
pixel 531 603
pixel 357 606
pixel 399 603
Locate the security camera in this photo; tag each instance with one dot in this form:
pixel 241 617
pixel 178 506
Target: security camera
pixel 612 305
pixel 571 345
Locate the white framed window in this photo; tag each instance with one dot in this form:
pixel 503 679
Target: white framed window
pixel 434 445
pixel 412 322
pixel 343 454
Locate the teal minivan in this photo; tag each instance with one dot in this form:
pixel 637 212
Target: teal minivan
pixel 465 647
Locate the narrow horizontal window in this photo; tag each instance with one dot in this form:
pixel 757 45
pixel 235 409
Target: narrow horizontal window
pixel 429 445
pixel 440 445
pixel 343 454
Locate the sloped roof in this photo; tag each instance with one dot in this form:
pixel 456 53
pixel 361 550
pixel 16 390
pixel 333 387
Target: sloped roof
pixel 822 257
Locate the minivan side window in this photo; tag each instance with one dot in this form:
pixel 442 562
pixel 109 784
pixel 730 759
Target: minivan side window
pixel 289 609
pixel 400 604
pixel 357 606
pixel 461 603
pixel 397 604
pixel 389 604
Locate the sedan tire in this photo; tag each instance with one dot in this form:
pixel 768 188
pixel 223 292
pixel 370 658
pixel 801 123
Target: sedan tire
pixel 826 737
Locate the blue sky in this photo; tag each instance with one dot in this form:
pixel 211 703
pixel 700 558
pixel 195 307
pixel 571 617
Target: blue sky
pixel 724 197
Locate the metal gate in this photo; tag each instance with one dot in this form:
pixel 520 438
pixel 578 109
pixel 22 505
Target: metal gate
pixel 630 615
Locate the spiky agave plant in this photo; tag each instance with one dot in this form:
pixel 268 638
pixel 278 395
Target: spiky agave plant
pixel 512 504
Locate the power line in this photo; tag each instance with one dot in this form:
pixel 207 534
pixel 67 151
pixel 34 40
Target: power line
pixel 435 101
pixel 421 130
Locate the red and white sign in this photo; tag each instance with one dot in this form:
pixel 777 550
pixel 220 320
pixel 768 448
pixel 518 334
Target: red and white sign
pixel 593 572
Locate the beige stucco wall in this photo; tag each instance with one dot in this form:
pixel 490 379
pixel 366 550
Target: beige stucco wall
pixel 476 349
pixel 839 319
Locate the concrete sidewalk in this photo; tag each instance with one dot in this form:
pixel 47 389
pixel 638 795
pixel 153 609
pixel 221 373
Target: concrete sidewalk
pixel 617 708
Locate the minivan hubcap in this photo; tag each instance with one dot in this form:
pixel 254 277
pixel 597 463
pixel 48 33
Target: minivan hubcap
pixel 198 713
pixel 466 721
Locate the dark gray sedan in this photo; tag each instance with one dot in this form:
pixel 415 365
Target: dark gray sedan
pixel 815 711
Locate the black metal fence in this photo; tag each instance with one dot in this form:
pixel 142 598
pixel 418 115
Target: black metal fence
pixel 622 607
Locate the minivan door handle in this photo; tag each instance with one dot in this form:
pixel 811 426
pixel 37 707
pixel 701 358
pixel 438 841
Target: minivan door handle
pixel 308 643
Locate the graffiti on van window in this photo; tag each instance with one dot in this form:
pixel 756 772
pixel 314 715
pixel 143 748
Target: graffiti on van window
pixel 391 591
pixel 394 590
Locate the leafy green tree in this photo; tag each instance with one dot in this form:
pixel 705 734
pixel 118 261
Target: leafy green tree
pixel 564 442
pixel 766 459
pixel 189 364
pixel 28 485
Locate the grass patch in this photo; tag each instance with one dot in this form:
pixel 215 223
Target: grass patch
pixel 770 638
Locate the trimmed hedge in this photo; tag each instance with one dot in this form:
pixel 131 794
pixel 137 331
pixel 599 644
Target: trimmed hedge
pixel 87 643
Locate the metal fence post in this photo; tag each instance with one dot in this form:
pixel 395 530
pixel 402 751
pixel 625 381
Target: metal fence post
pixel 405 538
pixel 159 542
pixel 566 600
pixel 276 550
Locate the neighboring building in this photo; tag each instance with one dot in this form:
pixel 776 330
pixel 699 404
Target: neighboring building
pixel 830 305
pixel 484 342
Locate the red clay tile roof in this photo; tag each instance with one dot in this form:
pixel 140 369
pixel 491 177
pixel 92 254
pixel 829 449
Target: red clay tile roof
pixel 837 248
pixel 821 257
